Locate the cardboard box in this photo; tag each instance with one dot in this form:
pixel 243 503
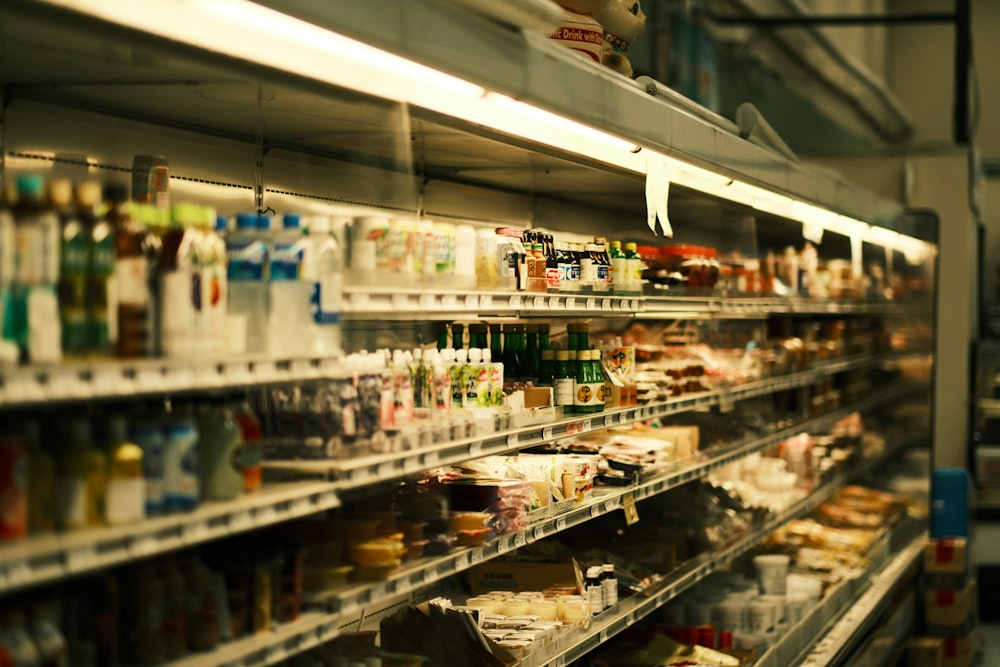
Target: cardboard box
pixel 925 652
pixel 516 575
pixel 951 496
pixel 950 608
pixel 958 651
pixel 947 556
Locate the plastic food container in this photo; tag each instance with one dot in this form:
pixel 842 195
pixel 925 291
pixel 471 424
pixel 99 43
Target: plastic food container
pixel 772 573
pixel 412 530
pixel 376 553
pixel 473 538
pixel 415 549
pixel 469 520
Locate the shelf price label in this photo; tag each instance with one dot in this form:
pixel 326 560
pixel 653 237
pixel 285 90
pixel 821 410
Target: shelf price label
pixel 512 441
pixel 81 558
pixel 472 302
pixel 485 301
pixel 427 302
pixel 555 303
pixel 631 513
pixel 571 303
pixel 515 302
pixel 17 572
pixel 143 545
pixel 400 302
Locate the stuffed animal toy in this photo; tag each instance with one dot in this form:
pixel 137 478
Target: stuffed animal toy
pixel 623 21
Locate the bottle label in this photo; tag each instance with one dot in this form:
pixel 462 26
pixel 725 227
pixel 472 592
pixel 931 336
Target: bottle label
pixel 247 260
pixel 178 312
pixel 326 298
pixel 37 252
pixel 552 278
pixel 620 273
pixel 589 394
pixel 565 391
pixel 180 466
pixel 286 261
pixel 610 592
pixel 587 271
pixel 131 279
pixel 71 502
pixel 602 278
pixel 595 593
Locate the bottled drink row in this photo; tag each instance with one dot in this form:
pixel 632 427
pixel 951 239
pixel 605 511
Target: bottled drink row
pixel 158 610
pixel 402 252
pixel 84 272
pixel 121 468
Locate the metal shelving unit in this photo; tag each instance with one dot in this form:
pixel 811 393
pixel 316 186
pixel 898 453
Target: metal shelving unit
pixel 210 105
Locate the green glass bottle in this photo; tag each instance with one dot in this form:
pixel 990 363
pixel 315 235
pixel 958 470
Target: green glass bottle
pixel 457 336
pixel 511 354
pixel 531 359
pixel 572 339
pixel 619 269
pixel 441 334
pixel 597 379
pixel 583 398
pixel 496 343
pixel 564 381
pixel 543 337
pixel 477 336
pixel 547 368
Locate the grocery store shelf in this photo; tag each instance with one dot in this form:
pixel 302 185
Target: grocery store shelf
pixel 50 557
pixel 108 379
pixel 311 629
pixel 578 643
pixel 604 501
pixel 867 609
pixel 356 472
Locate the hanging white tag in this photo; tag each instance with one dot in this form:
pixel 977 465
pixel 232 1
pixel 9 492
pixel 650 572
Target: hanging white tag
pixel 657 194
pixel 812 232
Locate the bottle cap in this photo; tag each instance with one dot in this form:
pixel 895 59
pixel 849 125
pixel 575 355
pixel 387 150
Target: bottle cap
pixel 461 356
pixel 88 194
pixel 60 192
pixel 475 355
pixel 30 186
pixel 290 221
pixel 263 222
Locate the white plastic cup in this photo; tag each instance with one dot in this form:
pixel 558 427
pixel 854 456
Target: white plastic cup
pixel 772 573
pixel 761 616
pixel 730 614
pixel 796 605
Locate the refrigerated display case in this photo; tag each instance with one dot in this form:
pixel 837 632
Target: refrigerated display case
pixel 427 110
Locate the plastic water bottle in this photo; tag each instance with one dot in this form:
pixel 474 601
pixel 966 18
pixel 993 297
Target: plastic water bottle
pixel 324 272
pixel 246 250
pixel 290 321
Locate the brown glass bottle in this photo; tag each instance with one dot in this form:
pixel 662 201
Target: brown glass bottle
pixel 137 251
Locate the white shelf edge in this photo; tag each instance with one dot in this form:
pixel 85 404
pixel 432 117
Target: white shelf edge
pixel 46 558
pixel 310 630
